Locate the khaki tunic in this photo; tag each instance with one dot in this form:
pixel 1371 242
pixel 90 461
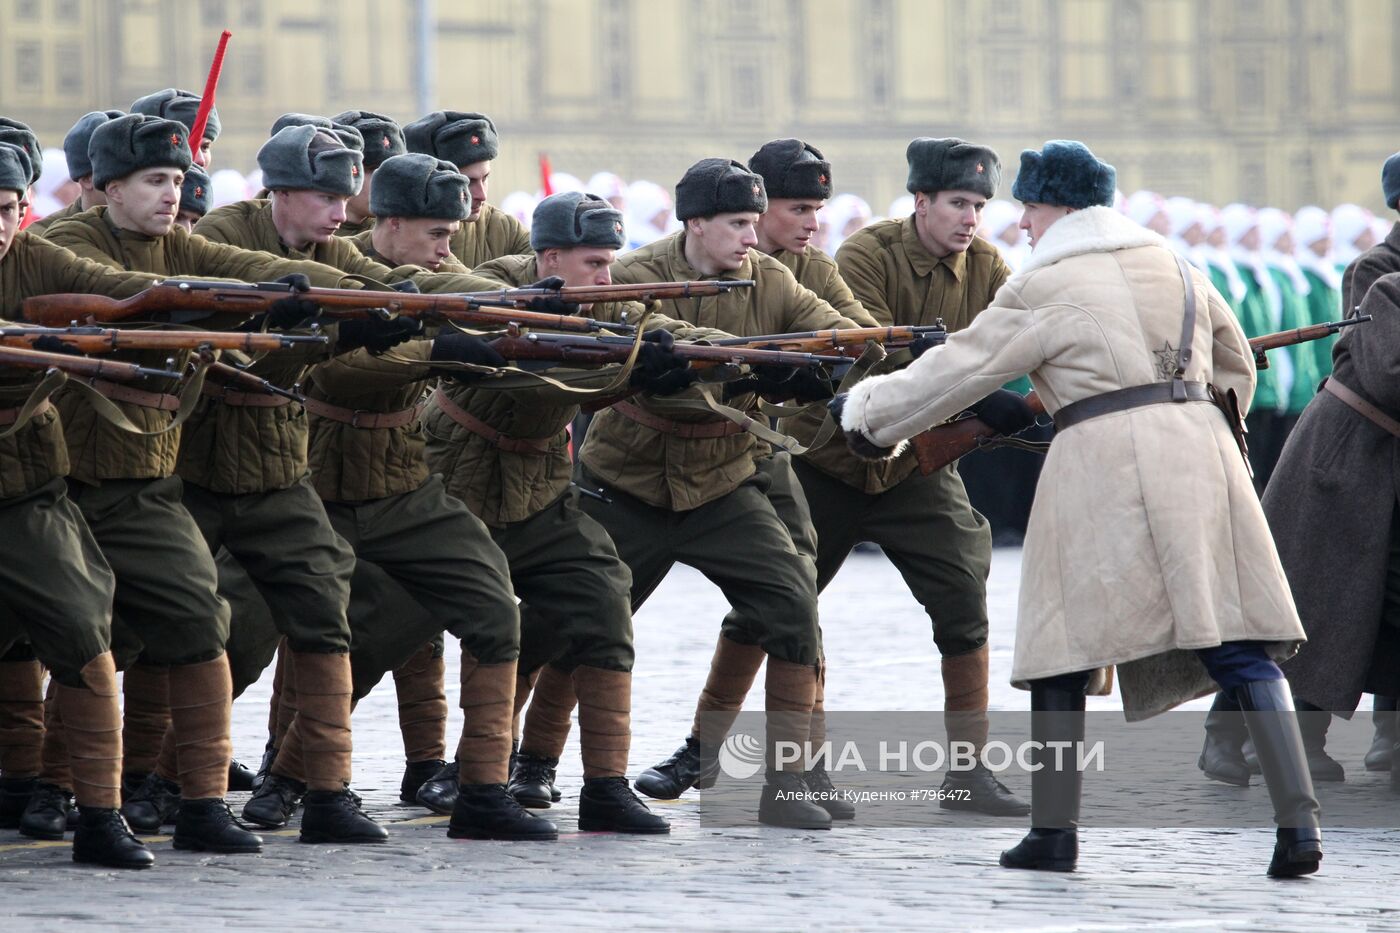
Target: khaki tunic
pixel 351 231
pixel 492 235
pixel 42 225
pixel 899 282
pixel 673 472
pixel 36 453
pixel 99 449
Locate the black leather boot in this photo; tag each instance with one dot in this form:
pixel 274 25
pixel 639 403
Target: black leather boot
pixel 155 804
pixel 1057 715
pixel 607 805
pixel 103 838
pixel 264 766
pixel 488 811
pixel 1380 755
pixel 827 796
pixel 979 791
pixel 415 775
pixel 131 783
pixel 273 804
pixel 787 801
pixel 45 816
pixel 439 792
pixel 1314 722
pixel 240 776
pixel 1221 756
pixel 1279 743
pixel 692 765
pixel 532 780
pixel 14 797
pixel 207 826
pixel 335 816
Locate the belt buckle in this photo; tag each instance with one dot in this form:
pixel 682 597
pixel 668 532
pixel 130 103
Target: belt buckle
pixel 355 417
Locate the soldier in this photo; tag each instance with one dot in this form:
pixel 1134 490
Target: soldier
pixel 1176 590
pixel 469 141
pixel 57 586
pixel 183 107
pixel 918 270
pixel 565 568
pixel 383 140
pixel 75 151
pixel 195 192
pixel 682 484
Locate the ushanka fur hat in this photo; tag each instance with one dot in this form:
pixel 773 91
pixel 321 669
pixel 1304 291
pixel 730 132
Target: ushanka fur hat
pixel 14 168
pixel 793 169
pixel 75 144
pixel 575 218
pixel 454 136
pixel 1064 173
pixel 309 158
pixel 383 137
pixel 133 142
pixel 719 186
pixel 417 185
pixel 175 104
pixel 195 194
pixel 348 135
pixel 952 164
pixel 19 134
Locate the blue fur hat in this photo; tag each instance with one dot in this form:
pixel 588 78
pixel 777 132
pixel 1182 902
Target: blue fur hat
pixel 1064 173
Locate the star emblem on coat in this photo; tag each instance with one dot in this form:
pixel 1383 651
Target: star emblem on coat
pixel 1166 360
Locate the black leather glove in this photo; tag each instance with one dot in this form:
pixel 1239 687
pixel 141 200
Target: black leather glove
pixel 800 383
pixel 293 311
pixel 550 305
pixel 50 343
pixel 407 286
pixel 1005 412
pixel 658 370
pixel 859 444
pixel 463 348
pixel 376 334
pixel 924 344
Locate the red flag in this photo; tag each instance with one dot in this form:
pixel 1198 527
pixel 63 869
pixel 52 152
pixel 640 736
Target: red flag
pixel 546 185
pixel 206 100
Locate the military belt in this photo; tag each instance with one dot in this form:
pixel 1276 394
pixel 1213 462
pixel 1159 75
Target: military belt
pixel 1356 403
pixel 359 418
pixel 1123 399
pixel 244 399
pixel 517 445
pixel 161 401
pixel 685 429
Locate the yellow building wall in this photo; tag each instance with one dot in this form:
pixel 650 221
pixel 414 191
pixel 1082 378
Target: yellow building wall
pixel 1284 102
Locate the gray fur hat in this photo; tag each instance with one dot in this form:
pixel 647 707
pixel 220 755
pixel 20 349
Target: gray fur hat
pixel 14 168
pixel 19 134
pixel 719 186
pixel 383 137
pixel 417 185
pixel 454 136
pixel 793 169
pixel 309 158
pixel 952 164
pixel 1390 181
pixel 175 104
pixel 1064 173
pixel 133 142
pixel 75 144
pixel 197 191
pixel 574 218
pixel 349 137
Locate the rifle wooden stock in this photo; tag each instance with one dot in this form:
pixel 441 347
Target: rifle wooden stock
pixel 188 300
pixel 100 340
pixel 941 445
pixel 79 365
pixel 839 339
pixel 600 350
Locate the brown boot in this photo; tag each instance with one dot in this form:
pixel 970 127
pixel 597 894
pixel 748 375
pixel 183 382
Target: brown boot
pixel 790 690
pixel 145 719
pixel 965 719
pixel 695 764
pixel 21 736
pixel 422 718
pixel 546 729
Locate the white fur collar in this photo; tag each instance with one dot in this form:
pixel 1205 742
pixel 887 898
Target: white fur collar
pixel 1091 230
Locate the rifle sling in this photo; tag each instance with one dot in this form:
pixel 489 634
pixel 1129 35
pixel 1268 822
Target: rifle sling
pixel 528 446
pixel 36 404
pixel 1365 409
pixel 102 404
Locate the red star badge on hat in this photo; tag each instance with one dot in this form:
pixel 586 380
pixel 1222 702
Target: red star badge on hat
pixel 175 140
pixel 354 171
pixel 199 191
pixel 617 226
pixel 384 141
pixel 755 189
pixel 476 140
pixel 981 168
pixel 821 179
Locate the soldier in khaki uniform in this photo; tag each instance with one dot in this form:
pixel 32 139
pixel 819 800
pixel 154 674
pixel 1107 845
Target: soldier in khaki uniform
pixel 684 485
pixel 383 140
pixel 918 270
pixel 469 141
pixel 56 587
pixel 75 152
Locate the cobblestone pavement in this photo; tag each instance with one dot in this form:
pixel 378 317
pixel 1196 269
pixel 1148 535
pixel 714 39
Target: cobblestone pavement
pixel 881 657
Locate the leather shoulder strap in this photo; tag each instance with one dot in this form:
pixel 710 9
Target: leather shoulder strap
pixel 1188 331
